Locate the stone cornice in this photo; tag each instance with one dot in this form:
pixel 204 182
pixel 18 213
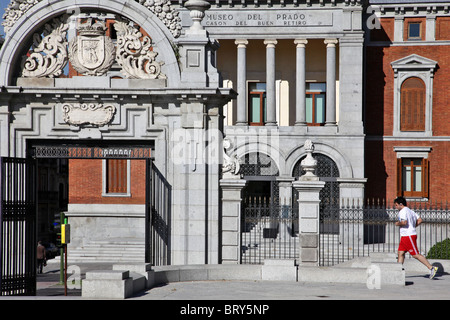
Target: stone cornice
pixel 273 4
pixel 209 96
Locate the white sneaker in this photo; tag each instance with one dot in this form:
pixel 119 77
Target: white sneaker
pixel 433 272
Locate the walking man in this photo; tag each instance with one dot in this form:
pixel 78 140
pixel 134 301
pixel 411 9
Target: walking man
pixel 408 220
pixel 40 256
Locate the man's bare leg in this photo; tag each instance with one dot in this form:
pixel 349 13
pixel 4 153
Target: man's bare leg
pixel 424 260
pixel 401 256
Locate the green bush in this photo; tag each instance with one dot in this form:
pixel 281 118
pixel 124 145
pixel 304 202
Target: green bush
pixel 440 250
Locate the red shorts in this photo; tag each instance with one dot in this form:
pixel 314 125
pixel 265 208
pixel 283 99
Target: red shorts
pixel 408 243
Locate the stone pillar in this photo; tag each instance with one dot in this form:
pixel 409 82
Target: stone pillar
pixel 308 187
pixel 271 110
pixel 194 46
pixel 300 89
pixel 351 85
pixel 231 219
pixel 285 192
pixel 241 82
pixel 331 82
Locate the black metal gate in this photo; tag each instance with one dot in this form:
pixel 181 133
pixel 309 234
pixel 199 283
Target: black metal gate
pixel 17 226
pixel 157 213
pixel 268 231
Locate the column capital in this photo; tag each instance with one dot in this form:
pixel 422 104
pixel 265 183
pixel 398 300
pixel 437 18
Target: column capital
pixel 270 43
pixel 301 43
pixel 241 43
pixel 331 42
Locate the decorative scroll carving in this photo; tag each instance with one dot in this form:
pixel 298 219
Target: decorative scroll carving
pixel 91 52
pixel 136 56
pixel 49 56
pixel 164 11
pixel 97 114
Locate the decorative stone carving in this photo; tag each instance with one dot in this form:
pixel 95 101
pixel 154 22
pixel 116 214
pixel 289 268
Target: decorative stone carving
pixel 164 11
pixel 197 10
pixel 91 52
pixel 161 8
pixel 96 114
pixel 49 56
pixel 135 54
pixel 309 164
pixel 230 165
pixel 15 10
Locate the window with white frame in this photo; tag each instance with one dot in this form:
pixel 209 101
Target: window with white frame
pixel 413 92
pixel 412 171
pixel 116 177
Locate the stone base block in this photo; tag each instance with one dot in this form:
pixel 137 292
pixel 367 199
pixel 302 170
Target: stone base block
pixel 279 270
pixel 138 270
pixel 109 284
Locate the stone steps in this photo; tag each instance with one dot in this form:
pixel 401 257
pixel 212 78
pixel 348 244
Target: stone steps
pixel 132 250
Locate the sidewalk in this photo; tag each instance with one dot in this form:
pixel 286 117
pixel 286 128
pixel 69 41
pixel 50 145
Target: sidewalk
pixel 418 286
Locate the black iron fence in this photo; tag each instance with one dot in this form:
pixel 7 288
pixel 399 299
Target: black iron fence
pixel 268 231
pixel 348 229
pixel 370 227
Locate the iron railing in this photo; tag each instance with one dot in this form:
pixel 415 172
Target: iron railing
pixel 348 229
pixel 370 227
pixel 269 231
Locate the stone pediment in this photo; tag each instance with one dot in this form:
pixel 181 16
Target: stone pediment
pixel 414 61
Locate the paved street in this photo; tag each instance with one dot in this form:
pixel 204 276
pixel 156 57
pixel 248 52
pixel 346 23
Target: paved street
pixel 418 286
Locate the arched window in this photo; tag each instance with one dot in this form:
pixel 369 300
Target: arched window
pixel 412 105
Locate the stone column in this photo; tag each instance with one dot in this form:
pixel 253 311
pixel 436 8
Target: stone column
pixel 271 111
pixel 308 187
pixel 300 89
pixel 231 219
pixel 331 82
pixel 285 192
pixel 241 82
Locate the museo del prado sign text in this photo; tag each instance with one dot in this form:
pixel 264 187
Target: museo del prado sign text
pixel 267 18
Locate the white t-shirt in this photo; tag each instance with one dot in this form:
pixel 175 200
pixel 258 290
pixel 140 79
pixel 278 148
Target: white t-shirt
pixel 411 217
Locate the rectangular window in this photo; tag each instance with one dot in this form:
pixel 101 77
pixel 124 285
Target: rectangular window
pixel 116 176
pixel 414 31
pixel 413 177
pixel 315 103
pixel 257 103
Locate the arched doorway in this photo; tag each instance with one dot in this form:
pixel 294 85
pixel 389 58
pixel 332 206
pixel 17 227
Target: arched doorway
pixel 267 222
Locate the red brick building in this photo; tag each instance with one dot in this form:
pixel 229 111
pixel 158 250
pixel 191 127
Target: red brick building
pixel 407 101
pixel 109 181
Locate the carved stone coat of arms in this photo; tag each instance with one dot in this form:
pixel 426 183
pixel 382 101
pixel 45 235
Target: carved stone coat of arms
pixel 91 52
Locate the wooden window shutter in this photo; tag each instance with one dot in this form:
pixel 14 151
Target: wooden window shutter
pixel 399 177
pixel 412 105
pixel 116 176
